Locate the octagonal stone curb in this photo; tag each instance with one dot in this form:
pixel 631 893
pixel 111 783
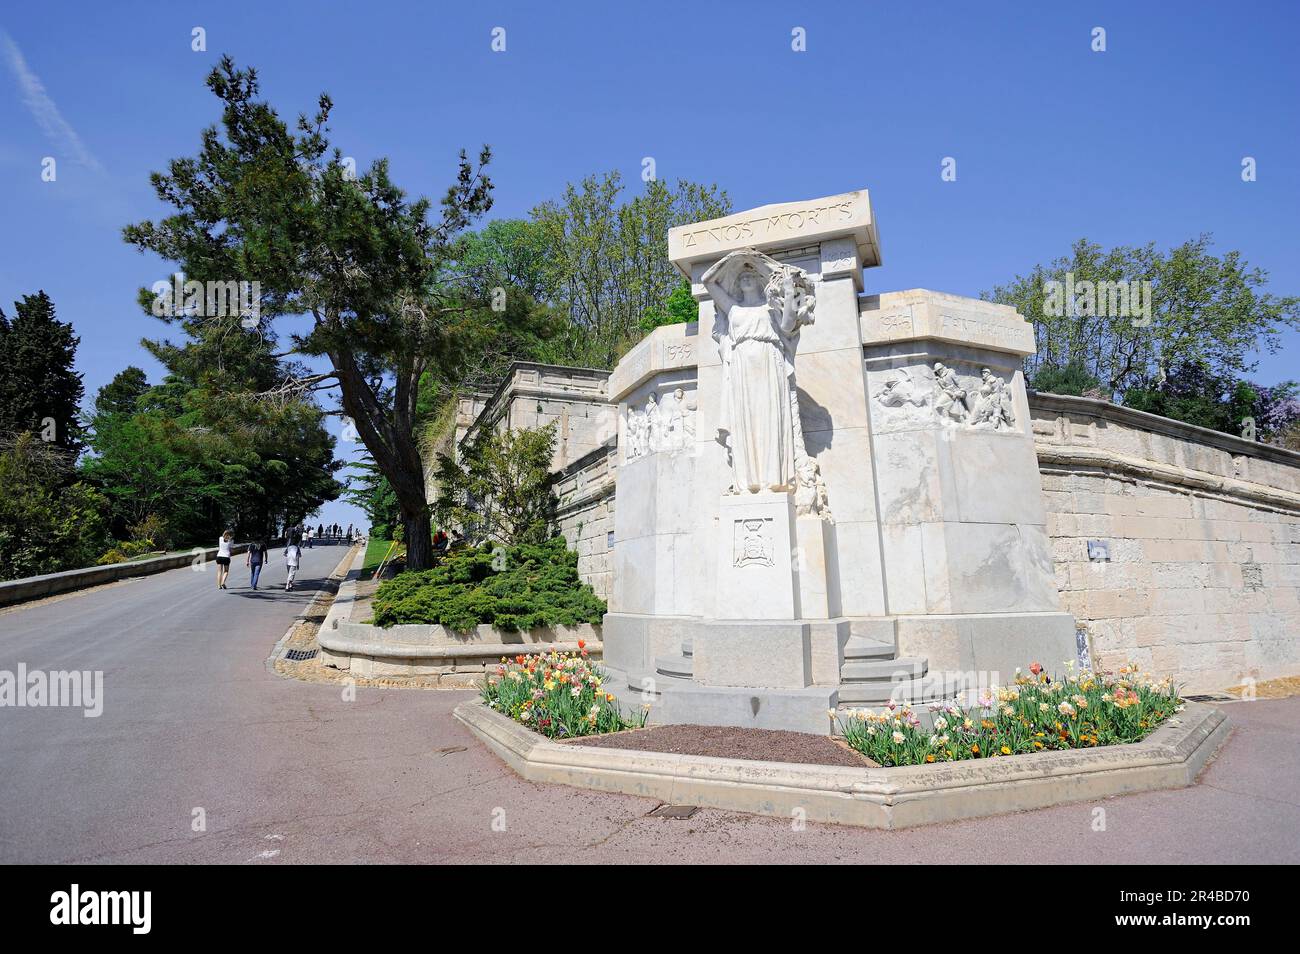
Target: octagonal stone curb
pixel 1171 757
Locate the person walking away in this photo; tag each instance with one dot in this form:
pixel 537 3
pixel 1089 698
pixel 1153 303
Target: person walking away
pixel 307 537
pixel 292 556
pixel 256 557
pixel 223 558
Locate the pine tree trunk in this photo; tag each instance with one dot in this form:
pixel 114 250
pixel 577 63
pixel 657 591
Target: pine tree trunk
pixel 419 540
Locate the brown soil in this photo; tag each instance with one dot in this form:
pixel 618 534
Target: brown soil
pixel 761 745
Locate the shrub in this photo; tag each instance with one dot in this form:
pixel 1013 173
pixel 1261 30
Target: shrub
pixel 121 552
pixel 151 530
pixel 557 694
pixel 1083 710
pixel 513 588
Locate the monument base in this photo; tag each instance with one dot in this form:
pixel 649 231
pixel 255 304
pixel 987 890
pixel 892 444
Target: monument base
pixel 676 701
pixel 776 655
pixel 992 645
pixel 705 672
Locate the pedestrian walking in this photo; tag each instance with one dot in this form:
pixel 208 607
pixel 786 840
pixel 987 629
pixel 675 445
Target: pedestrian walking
pixel 223 557
pixel 292 556
pixel 256 557
pixel 307 537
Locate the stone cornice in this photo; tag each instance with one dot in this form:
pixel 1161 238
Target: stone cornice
pixel 1095 407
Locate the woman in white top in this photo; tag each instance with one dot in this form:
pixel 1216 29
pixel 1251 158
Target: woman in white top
pixel 223 558
pixel 292 556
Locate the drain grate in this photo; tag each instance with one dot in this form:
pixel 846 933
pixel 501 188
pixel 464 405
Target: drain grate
pixel 298 655
pixel 673 811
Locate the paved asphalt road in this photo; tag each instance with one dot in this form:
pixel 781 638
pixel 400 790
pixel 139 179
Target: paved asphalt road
pixel 291 772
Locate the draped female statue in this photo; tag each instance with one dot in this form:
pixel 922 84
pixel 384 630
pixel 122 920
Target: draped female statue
pixel 761 306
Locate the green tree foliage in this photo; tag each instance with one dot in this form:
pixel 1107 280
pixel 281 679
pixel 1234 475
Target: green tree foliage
pixel 47 524
pixel 1206 310
pixel 1072 378
pixel 122 395
pixel 204 460
pixel 371 491
pixel 1194 395
pixel 607 264
pixel 262 203
pixel 522 587
pixel 679 307
pixel 40 392
pixel 499 487
pixel 501 270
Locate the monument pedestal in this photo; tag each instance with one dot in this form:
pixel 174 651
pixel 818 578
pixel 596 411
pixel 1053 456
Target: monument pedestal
pixel 755 547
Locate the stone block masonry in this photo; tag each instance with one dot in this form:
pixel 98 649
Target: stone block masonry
pixel 1194 538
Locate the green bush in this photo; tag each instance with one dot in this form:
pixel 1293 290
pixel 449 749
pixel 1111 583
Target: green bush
pixel 523 587
pixel 121 552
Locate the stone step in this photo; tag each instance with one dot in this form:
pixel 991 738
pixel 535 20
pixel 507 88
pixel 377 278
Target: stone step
pixel 929 688
pixel 889 670
pixel 859 647
pixel 679 666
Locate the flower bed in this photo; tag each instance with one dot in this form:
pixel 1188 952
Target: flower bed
pixel 1083 710
pixel 556 694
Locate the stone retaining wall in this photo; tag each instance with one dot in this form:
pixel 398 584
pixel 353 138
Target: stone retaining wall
pixel 585 513
pixel 1199 572
pixel 456 660
pixel 51 584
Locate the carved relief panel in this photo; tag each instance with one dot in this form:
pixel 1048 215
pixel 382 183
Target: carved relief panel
pixel 921 395
pixel 660 425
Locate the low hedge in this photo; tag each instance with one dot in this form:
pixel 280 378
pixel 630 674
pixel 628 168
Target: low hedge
pixel 512 588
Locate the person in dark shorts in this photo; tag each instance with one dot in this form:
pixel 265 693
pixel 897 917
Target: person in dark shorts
pixel 223 558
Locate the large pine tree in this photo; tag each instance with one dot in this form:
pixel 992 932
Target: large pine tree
pixel 260 202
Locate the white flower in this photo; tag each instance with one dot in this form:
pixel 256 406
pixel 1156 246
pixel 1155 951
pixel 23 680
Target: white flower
pixel 941 723
pixel 898 738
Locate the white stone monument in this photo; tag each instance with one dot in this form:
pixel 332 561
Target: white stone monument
pixel 825 498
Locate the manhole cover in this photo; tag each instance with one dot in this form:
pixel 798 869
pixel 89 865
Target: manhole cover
pixel 674 811
pixel 298 655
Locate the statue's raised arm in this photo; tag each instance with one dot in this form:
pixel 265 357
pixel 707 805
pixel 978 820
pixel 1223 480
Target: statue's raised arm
pixel 715 280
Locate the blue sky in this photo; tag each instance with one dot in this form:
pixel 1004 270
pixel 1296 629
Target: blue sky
pixel 1053 141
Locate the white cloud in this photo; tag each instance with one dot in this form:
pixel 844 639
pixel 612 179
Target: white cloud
pixel 44 110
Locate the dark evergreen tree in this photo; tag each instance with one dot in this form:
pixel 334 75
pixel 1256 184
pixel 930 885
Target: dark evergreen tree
pixel 40 392
pixel 122 394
